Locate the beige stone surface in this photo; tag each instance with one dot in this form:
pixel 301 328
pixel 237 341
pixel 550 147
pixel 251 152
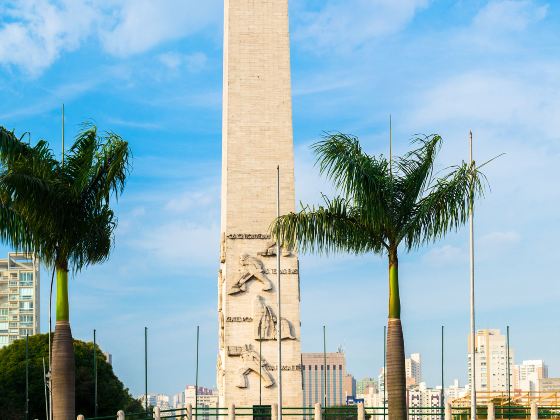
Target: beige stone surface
pixel 257 137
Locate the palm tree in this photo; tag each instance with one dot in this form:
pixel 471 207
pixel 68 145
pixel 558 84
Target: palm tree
pixel 382 205
pixel 61 212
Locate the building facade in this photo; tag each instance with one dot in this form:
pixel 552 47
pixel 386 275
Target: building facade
pixel 528 374
pixel 326 381
pixel 19 297
pixel 413 368
pixel 491 368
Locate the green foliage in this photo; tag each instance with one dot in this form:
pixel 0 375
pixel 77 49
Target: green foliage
pixel 61 210
pixel 112 395
pixel 381 204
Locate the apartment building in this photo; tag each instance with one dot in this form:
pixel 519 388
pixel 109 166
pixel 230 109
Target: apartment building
pixel 19 297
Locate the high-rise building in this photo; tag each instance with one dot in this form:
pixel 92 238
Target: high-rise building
pixel 19 297
pixel 491 362
pixel 206 400
pixel 363 385
pixel 156 400
pixel 528 373
pixel 339 384
pixel 413 368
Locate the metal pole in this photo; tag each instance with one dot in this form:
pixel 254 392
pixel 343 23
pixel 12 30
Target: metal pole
pixel 473 326
pixel 94 373
pixel 508 372
pixel 324 367
pixel 391 145
pixel 46 393
pixel 196 375
pixel 26 376
pixel 384 368
pixel 442 378
pixel 260 367
pixel 279 297
pixel 146 368
pixel 62 158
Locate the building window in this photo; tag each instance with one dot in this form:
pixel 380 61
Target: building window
pixel 26 293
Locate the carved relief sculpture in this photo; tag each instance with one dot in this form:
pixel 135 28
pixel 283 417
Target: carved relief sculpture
pixel 253 269
pixel 222 328
pixel 252 363
pixel 265 323
pixel 270 251
pixel 223 248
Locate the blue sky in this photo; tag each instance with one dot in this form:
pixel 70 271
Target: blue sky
pixel 152 71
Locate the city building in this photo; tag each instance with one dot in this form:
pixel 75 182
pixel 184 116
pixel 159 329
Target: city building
pixel 422 397
pixel 19 297
pixel 549 385
pixel 528 373
pixel 108 357
pixel 455 391
pixel 491 361
pixel 364 384
pixel 156 400
pixel 206 400
pixel 413 367
pixel 339 384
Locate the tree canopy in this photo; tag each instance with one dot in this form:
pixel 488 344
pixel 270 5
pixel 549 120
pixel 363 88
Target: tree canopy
pixel 112 394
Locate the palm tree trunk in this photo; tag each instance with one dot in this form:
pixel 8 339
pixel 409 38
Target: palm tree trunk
pixel 63 364
pixel 396 377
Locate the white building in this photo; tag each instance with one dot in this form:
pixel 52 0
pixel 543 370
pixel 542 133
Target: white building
pixel 528 374
pixel 426 401
pixel 413 367
pixel 491 362
pixel 206 400
pixel 19 297
pixel 156 400
pixel 455 391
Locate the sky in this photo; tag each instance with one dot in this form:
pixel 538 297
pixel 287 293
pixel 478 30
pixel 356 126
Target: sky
pixel 152 72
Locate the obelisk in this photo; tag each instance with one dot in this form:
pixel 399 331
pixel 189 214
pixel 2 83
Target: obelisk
pixel 257 137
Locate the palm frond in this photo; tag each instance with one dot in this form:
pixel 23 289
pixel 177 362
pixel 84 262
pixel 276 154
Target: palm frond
pixel 445 207
pixel 363 179
pixel 334 227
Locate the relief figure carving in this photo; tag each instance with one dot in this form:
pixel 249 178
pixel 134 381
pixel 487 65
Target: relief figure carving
pixel 270 251
pixel 265 322
pixel 252 363
pixel 223 248
pixel 253 269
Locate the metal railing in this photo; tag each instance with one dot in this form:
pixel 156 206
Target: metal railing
pixel 350 412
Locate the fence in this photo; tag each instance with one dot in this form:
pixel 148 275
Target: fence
pixel 351 412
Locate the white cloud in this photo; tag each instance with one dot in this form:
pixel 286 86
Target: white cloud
pixel 497 26
pixel 188 200
pixel 494 241
pixel 344 26
pixel 142 24
pixel 180 243
pixel 35 32
pixel 191 62
pixel 509 15
pixel 445 254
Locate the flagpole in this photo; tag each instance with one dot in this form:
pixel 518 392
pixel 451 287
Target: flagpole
pixel 473 328
pixel 279 299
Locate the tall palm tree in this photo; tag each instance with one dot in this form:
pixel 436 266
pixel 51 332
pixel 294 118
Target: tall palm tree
pixel 383 207
pixel 61 212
